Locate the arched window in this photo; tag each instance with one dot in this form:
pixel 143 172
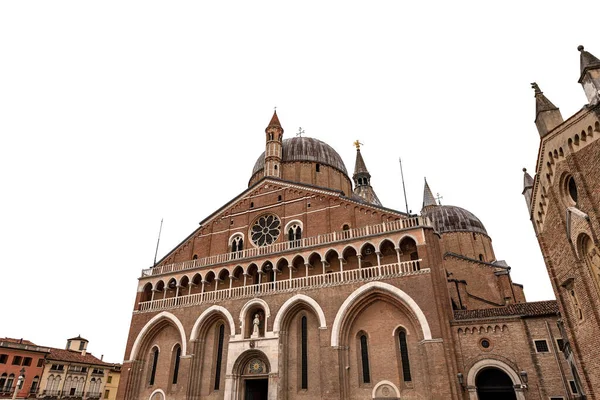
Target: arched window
pixel 154 356
pixel 294 233
pixel 364 356
pixel 404 356
pixel 575 303
pixel 34 384
pixel 219 361
pixel 591 256
pixel 237 243
pixel 177 356
pixel 304 353
pixel 10 380
pixel 3 380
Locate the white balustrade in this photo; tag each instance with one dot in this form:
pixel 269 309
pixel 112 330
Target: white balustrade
pixel 284 246
pixel 337 278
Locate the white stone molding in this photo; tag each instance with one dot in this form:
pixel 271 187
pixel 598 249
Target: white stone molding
pixel 299 298
pixel 157 318
pixel 386 383
pixel 385 287
pixel 491 363
pixel 157 391
pixel 208 312
pixel 247 306
pixel 400 327
pixel 234 235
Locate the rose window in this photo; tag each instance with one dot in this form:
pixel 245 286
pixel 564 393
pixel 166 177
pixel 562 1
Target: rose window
pixel 266 230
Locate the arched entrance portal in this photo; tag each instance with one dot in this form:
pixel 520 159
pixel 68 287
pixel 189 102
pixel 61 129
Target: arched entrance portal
pixel 494 384
pixel 251 372
pixel 255 380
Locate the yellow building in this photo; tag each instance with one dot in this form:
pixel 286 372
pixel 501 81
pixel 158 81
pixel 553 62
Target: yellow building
pixel 112 382
pixel 73 372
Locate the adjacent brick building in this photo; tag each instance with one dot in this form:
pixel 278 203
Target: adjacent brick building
pixel 563 200
pixel 304 286
pixel 19 357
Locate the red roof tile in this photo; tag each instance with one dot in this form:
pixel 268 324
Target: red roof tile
pixel 74 356
pixel 18 341
pixel 533 309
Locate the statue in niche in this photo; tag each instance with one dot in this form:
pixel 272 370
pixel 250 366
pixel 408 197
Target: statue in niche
pixel 256 323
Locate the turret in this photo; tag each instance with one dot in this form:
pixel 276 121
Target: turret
pixel 547 115
pixel 273 150
pixel 428 199
pixel 527 188
pixel 362 179
pixel 590 76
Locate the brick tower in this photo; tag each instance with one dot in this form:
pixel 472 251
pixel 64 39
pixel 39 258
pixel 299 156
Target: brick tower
pixel 563 202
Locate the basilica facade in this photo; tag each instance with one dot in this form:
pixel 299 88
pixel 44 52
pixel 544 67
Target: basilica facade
pixel 305 286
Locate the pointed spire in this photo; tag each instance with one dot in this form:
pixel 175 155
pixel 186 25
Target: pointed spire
pixel 274 121
pixel 527 188
pixel 541 102
pixel 590 76
pixel 359 166
pixel 527 179
pixel 428 199
pixel 362 179
pixel 547 115
pixel 587 61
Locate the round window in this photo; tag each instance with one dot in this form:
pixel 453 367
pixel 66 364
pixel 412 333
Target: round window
pixel 265 230
pixel 485 344
pixel 569 191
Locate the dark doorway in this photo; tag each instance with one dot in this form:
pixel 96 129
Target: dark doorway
pixel 494 384
pixel 257 389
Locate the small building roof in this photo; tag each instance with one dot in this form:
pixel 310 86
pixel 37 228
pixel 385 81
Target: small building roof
pixel 17 341
pixel 75 357
pixel 532 309
pixel 79 338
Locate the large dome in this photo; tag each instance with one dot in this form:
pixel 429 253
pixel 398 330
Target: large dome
pixel 306 149
pixel 452 219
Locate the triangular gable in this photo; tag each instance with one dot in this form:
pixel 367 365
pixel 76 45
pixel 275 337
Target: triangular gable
pixel 269 184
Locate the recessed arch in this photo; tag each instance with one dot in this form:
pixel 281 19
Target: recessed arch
pixel 299 298
pixel 207 313
pixel 150 324
pixel 378 286
pixel 491 363
pixel 246 308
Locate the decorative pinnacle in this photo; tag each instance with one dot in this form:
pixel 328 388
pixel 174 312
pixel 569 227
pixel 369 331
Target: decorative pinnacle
pixel 580 47
pixel 524 169
pixel 357 144
pixel 535 87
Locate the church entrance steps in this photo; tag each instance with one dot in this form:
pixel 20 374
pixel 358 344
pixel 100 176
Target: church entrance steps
pixel 377 272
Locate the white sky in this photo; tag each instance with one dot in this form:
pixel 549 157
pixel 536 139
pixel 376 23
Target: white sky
pixel 115 114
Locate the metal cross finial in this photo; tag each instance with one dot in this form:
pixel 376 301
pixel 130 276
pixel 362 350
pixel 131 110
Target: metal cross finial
pixel 275 109
pixel 357 144
pixel 438 198
pixel 300 132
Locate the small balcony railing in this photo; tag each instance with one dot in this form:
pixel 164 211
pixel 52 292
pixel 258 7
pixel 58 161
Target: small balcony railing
pixel 93 395
pixel 67 394
pixel 318 240
pixel 50 393
pixel 289 285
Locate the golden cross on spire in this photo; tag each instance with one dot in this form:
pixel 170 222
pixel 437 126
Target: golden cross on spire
pixel 357 144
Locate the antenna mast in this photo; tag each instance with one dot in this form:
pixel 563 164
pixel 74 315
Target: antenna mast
pixel 158 241
pixel 403 187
